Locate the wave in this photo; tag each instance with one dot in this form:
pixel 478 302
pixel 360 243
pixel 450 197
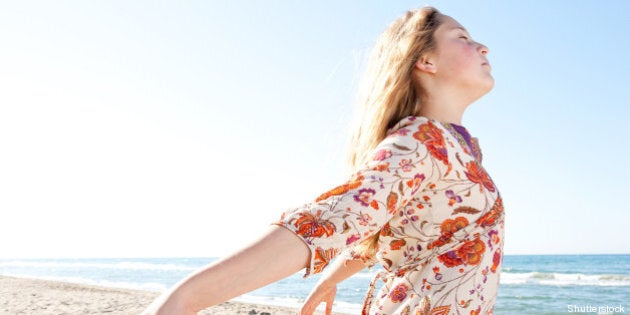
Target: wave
pixel 564 279
pixel 123 265
pixel 508 276
pixel 547 278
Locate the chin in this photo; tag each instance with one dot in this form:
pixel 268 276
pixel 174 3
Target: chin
pixel 480 87
pixel 480 91
pixel 488 85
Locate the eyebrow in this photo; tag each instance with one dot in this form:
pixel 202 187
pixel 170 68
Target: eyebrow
pixel 459 28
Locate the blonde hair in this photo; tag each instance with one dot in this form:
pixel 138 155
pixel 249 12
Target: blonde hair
pixel 389 92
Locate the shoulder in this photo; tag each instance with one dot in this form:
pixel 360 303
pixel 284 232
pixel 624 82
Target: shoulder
pixel 418 128
pixel 408 123
pixel 422 135
pixel 412 137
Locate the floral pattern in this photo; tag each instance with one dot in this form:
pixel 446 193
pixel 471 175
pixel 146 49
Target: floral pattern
pixel 438 215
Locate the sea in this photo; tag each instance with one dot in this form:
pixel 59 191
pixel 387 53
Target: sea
pixel 530 284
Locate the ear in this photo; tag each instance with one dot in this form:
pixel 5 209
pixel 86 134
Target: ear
pixel 426 64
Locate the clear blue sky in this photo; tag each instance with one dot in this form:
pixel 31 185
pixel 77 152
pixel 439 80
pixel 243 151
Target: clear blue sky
pixel 149 128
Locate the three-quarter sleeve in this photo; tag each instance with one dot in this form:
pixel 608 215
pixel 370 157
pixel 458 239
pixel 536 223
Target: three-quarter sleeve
pixel 342 217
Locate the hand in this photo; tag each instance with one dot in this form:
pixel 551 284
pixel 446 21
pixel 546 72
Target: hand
pixel 322 293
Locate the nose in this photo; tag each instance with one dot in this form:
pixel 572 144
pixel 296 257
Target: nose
pixel 483 49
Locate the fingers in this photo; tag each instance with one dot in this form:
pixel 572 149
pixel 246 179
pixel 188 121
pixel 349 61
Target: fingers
pixel 308 307
pixel 318 296
pixel 305 311
pixel 330 299
pixel 329 307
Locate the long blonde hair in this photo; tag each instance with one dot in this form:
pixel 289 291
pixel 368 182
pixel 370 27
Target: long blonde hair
pixel 389 91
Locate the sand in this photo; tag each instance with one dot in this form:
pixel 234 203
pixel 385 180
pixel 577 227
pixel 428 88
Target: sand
pixel 31 296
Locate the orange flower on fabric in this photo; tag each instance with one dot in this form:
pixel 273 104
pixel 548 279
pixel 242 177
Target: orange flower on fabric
pixel 392 200
pixel 323 258
pixel 374 204
pixel 496 261
pixel 386 230
pixel 477 175
pixel 397 244
pixel 399 293
pixel 415 183
pixel 340 190
pixel 448 228
pixel 364 196
pixel 432 138
pixel 450 259
pixel 439 310
pixel 381 167
pixel 309 225
pixel 470 253
pixel 490 218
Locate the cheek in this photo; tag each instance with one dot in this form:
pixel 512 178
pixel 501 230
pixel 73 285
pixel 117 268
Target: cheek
pixel 460 60
pixel 468 61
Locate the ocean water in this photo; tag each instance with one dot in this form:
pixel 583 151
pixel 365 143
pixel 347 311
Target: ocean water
pixel 530 284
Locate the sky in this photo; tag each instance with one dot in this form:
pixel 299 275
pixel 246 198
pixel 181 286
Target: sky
pixel 168 129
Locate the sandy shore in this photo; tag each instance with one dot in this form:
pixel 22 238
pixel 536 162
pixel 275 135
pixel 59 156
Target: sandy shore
pixel 30 296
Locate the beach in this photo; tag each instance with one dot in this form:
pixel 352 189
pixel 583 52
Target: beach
pixel 32 296
pixel 530 284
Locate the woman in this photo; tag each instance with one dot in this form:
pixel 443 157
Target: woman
pixel 419 201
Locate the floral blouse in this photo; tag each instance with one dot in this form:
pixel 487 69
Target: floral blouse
pixel 438 214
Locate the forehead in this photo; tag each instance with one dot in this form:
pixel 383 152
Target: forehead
pixel 448 23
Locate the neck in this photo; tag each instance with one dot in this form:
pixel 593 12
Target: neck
pixel 441 114
pixel 445 107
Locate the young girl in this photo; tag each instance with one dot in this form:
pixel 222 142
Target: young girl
pixel 419 202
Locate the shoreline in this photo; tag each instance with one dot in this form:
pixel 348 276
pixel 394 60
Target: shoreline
pixel 36 296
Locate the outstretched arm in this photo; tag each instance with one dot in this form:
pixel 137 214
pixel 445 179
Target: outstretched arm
pixel 326 288
pixel 278 254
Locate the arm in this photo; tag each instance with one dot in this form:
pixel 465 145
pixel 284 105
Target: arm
pixel 343 217
pixel 326 288
pixel 276 255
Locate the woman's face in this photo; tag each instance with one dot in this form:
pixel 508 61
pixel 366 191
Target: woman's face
pixel 459 60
